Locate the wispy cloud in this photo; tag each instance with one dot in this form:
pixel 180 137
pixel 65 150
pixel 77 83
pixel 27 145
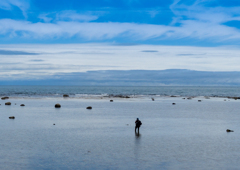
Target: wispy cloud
pixel 9 52
pixel 149 51
pixel 195 21
pixel 68 15
pixel 23 5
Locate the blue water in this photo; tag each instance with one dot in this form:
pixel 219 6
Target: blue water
pixel 78 91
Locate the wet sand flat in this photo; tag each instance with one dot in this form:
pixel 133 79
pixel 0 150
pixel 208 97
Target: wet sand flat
pixel 187 135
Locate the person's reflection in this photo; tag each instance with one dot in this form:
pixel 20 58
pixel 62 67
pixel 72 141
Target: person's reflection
pixel 137 146
pixel 137 134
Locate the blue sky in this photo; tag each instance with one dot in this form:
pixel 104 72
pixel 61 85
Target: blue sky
pixel 171 22
pixel 50 39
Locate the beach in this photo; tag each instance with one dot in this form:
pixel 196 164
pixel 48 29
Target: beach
pixel 188 135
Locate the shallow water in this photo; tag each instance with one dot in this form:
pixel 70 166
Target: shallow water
pixel 188 135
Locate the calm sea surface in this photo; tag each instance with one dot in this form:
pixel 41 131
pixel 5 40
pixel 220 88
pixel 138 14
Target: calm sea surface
pixel 188 135
pixel 80 91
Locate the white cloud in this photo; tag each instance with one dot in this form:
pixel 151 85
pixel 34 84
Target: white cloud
pixel 89 57
pixel 101 31
pixel 74 16
pixel 200 22
pixel 68 15
pixel 21 4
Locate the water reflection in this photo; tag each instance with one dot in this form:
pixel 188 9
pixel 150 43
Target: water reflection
pixel 137 146
pixel 137 135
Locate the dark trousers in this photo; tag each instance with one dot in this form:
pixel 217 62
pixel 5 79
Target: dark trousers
pixel 137 127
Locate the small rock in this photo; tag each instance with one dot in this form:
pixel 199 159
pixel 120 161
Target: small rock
pixel 4 98
pixel 127 97
pixel 199 100
pixel 22 105
pixel 53 123
pixel 111 100
pixel 89 107
pixel 57 105
pixel 11 117
pixel 153 99
pixel 183 98
pixel 173 96
pixel 189 98
pixel 228 130
pixel 65 95
pixel 173 103
pixel 8 103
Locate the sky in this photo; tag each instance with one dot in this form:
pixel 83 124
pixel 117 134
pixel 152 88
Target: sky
pixel 51 39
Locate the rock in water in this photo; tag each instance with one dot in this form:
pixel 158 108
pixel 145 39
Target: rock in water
pixel 22 105
pixel 173 103
pixel 152 99
pixel 89 107
pixel 4 98
pixel 8 103
pixel 199 100
pixel 228 130
pixel 11 117
pixel 57 105
pixel 111 100
pixel 65 95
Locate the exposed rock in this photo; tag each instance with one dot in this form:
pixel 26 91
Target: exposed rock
pixel 120 96
pixel 22 105
pixel 65 95
pixel 111 100
pixel 53 123
pixel 11 117
pixel 234 98
pixel 189 98
pixel 8 103
pixel 183 98
pixel 4 98
pixel 173 96
pixel 153 99
pixel 199 100
pixel 57 105
pixel 173 103
pixel 89 107
pixel 228 130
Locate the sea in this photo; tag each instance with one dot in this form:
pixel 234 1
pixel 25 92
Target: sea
pixel 182 128
pixel 83 91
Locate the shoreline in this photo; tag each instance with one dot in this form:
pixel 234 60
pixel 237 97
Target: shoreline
pixel 130 98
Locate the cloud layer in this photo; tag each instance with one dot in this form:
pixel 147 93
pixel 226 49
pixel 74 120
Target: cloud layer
pixel 170 22
pixel 37 61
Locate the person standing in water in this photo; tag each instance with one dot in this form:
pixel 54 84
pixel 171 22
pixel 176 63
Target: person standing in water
pixel 138 123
